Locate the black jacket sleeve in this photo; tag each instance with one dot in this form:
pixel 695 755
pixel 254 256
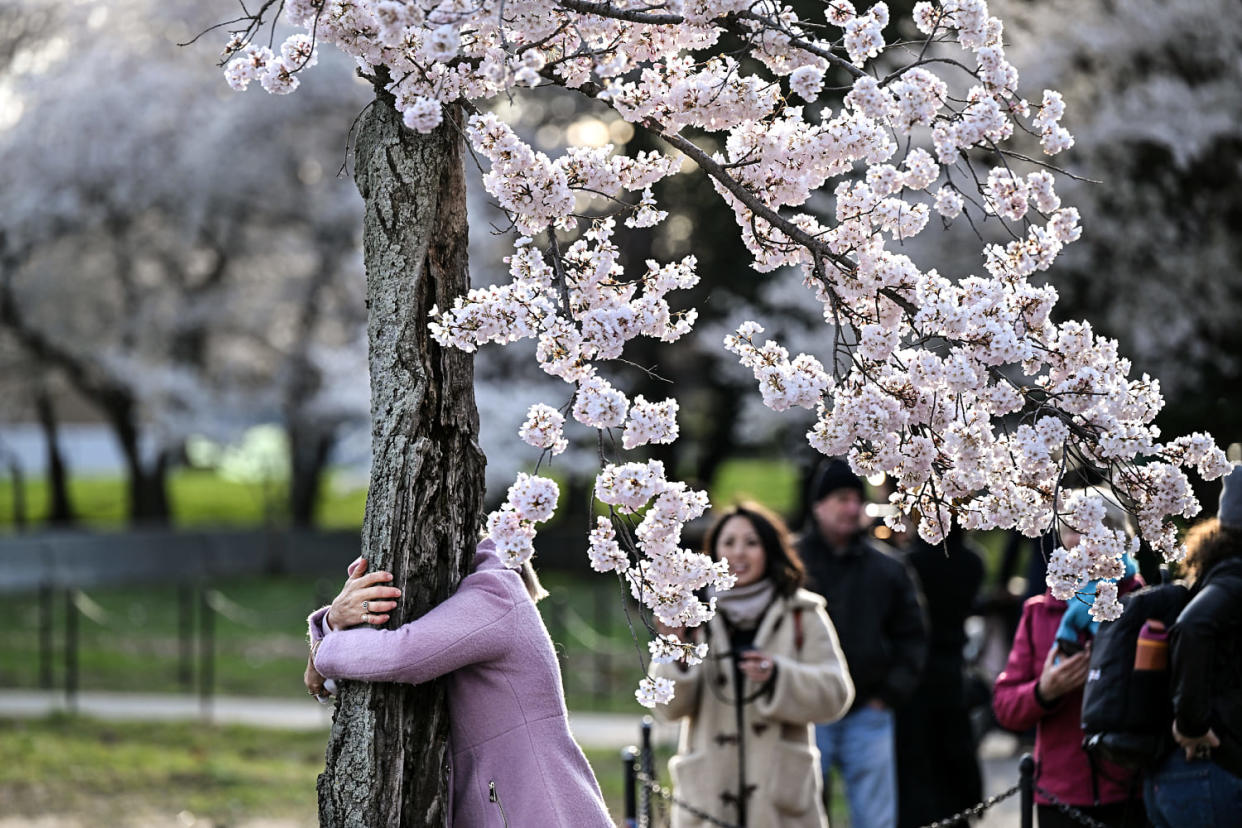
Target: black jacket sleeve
pixel 906 630
pixel 1194 641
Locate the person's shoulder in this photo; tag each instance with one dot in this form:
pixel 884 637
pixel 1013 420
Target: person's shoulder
pixel 884 557
pixel 1227 573
pixel 804 599
pixel 1042 603
pixel 490 576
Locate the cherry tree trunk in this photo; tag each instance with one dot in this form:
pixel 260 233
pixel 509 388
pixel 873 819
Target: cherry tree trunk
pixel 387 760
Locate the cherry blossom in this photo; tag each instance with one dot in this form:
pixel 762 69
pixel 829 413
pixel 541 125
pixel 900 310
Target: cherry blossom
pixel 960 386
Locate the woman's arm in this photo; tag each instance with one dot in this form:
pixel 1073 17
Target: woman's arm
pixel 815 686
pixel 1013 696
pixel 472 626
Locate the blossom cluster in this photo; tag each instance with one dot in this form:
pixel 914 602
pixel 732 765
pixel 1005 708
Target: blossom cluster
pixel 961 387
pixel 531 499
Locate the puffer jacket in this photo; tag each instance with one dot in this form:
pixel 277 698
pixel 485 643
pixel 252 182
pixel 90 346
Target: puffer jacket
pixel 1207 673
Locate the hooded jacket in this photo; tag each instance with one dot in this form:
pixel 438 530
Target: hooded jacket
pixel 874 601
pixel 1062 767
pixel 514 762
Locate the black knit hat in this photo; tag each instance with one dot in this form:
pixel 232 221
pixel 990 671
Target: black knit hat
pixel 834 474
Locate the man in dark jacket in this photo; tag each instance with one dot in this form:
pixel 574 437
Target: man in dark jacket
pixel 874 603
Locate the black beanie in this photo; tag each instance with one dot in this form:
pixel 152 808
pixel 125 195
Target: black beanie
pixel 834 474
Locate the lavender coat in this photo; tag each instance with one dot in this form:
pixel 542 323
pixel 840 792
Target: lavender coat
pixel 514 761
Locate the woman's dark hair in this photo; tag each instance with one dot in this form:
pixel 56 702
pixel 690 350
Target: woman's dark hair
pixel 783 565
pixel 1207 544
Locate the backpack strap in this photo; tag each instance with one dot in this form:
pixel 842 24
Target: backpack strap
pixel 797 619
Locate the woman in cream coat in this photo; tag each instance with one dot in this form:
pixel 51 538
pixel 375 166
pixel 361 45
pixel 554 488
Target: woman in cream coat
pixel 774 668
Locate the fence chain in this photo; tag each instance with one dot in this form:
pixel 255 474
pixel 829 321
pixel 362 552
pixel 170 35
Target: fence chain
pixel 90 608
pixel 589 637
pixel 666 795
pixel 1070 811
pixel 974 810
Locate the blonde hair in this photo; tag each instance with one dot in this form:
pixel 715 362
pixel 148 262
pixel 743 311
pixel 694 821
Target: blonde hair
pixel 530 579
pixel 1207 544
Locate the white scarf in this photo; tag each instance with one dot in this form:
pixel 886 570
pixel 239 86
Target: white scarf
pixel 744 606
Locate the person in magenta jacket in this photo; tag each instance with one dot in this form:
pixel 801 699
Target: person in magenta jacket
pixel 1041 687
pixel 514 762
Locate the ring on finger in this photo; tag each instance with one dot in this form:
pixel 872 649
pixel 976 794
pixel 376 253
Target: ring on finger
pixel 365 606
pixel 365 616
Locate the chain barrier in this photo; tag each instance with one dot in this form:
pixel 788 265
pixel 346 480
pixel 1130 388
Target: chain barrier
pixel 590 638
pixel 666 796
pixel 227 608
pixel 1070 811
pixel 975 810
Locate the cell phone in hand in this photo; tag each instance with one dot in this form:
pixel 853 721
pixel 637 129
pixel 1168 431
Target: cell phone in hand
pixel 1069 648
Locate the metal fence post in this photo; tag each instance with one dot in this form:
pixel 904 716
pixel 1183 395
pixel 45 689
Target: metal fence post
pixel 644 796
pixel 206 652
pixel 47 597
pixel 629 762
pixel 185 636
pixel 1026 769
pixel 603 658
pixel 71 650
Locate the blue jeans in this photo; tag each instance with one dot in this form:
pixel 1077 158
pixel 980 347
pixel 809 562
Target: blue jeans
pixel 861 745
pixel 1197 792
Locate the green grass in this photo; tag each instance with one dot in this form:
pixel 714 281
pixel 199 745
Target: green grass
pixel 197 498
pixel 770 482
pixel 129 639
pixel 203 498
pixel 114 773
pixel 151 772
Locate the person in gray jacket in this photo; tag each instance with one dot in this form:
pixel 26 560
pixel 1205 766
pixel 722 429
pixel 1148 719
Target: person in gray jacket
pixel 874 602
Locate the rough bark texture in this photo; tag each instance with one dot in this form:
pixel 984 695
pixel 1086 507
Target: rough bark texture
pixel 387 758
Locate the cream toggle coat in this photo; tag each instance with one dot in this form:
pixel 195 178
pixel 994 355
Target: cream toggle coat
pixel 812 684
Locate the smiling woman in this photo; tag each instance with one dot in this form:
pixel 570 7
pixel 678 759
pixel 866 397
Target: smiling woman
pixel 775 667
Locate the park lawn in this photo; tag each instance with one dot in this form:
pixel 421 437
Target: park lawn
pixel 123 773
pixel 201 498
pixel 118 774
pixel 129 639
pixel 198 498
pixel 774 483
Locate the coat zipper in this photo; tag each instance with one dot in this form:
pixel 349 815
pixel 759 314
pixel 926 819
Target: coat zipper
pixel 495 797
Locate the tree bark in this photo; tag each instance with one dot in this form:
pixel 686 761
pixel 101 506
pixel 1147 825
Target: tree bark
pixel 148 487
pixel 309 450
pixel 387 759
pixel 60 507
pixel 18 479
